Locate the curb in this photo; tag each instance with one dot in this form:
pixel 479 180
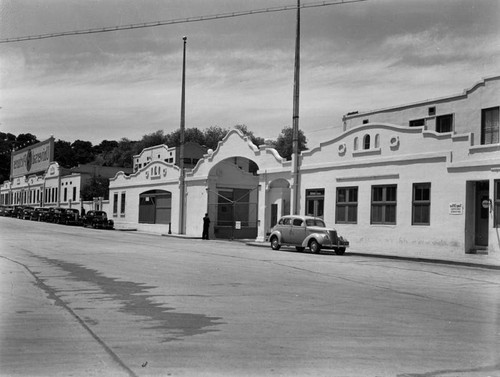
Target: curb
pixel 409 259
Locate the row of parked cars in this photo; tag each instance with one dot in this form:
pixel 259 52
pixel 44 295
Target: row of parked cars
pixel 58 215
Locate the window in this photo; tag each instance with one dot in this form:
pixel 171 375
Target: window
pixel 115 203
pixel 355 143
pixel 366 121
pixel 65 194
pixel 489 126
pixel 297 222
pixel 431 110
pixel 347 205
pixel 417 122
pixel 74 194
pixel 122 204
pixel 497 205
pixel 315 200
pixel 366 142
pixel 383 204
pixel 421 205
pixel 444 123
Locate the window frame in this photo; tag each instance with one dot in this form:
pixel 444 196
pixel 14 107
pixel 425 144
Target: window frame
pixel 496 204
pixel 342 207
pixel 123 197
pixel 493 129
pixel 317 200
pixel 421 203
pixel 440 118
pixel 384 204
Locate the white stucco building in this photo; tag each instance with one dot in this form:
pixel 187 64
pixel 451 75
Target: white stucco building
pixel 417 176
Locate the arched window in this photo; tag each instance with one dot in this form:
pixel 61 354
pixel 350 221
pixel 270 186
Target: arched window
pixel 366 142
pixel 355 143
pixel 377 141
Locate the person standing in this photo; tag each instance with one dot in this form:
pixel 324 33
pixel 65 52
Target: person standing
pixel 206 227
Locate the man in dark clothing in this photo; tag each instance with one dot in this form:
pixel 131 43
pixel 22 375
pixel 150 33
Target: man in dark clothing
pixel 206 226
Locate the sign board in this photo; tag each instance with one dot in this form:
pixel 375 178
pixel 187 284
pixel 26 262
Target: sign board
pixel 485 203
pixel 237 225
pixel 33 159
pixel 456 208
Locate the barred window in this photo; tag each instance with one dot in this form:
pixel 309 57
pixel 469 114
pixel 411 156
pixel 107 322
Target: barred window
pixel 347 205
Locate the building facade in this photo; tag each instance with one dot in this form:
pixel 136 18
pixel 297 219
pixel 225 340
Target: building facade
pixel 412 177
pixel 56 187
pixel 193 152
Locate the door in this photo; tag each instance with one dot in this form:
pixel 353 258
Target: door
pixel 482 207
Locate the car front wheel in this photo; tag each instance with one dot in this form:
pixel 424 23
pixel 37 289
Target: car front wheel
pixel 275 245
pixel 340 250
pixel 314 246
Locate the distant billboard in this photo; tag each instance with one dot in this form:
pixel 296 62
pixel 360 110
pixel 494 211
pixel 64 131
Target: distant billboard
pixel 33 159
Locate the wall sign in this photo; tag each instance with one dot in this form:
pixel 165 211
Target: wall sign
pixel 456 208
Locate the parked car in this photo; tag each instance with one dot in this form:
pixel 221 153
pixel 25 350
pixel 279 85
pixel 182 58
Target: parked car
pixel 39 213
pixel 306 231
pixel 70 216
pixel 17 211
pixel 25 214
pixel 98 219
pixel 54 215
pixel 6 211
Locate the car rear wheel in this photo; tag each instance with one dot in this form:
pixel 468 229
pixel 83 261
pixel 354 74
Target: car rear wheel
pixel 340 250
pixel 314 246
pixel 275 245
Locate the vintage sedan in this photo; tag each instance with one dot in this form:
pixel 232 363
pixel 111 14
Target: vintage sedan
pixel 98 219
pixel 306 232
pixel 71 216
pixel 39 213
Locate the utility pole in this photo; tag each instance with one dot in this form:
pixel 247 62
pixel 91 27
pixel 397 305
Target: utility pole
pixel 296 82
pixel 182 180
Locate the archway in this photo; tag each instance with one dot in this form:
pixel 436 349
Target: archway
pixel 233 198
pixel 155 207
pixel 278 201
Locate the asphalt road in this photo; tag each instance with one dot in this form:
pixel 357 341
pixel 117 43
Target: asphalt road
pixel 84 302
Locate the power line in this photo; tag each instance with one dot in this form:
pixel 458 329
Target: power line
pixel 176 21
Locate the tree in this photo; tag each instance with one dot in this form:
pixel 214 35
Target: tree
pixel 150 140
pixel 284 143
pixel 213 135
pixel 7 143
pixel 96 187
pixel 83 151
pixel 123 154
pixel 245 131
pixel 104 153
pixel 64 154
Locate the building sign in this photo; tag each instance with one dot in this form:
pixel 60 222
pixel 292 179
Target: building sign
pixel 33 159
pixel 456 208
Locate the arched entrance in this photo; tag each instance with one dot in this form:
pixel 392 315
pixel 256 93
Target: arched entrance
pixel 155 207
pixel 277 201
pixel 233 198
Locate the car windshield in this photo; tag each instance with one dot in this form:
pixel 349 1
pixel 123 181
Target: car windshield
pixel 315 222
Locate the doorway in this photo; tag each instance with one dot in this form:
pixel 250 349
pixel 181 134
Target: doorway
pixel 482 212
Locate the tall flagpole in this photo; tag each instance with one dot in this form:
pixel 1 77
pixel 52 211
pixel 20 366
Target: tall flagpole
pixel 295 156
pixel 182 181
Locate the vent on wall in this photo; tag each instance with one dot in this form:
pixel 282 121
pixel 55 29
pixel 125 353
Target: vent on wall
pixel 432 110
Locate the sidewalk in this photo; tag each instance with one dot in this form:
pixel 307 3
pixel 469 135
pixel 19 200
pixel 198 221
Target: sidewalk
pixel 425 256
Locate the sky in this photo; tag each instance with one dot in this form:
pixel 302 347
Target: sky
pixel 354 57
